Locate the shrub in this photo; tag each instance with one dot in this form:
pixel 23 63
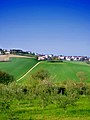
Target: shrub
pixel 41 74
pixel 5 78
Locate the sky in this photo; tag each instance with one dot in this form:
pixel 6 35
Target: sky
pixel 59 27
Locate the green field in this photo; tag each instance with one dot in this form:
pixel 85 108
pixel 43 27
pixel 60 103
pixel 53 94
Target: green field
pixel 18 105
pixel 64 71
pixel 17 66
pixel 59 72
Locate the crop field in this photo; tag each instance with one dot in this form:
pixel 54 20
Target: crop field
pixel 64 71
pixel 17 66
pixel 60 71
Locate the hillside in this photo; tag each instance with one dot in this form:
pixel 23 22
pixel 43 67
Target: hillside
pixel 63 71
pixel 18 66
pixel 40 99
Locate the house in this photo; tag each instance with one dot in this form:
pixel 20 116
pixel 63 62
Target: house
pixel 75 58
pixel 29 52
pixel 79 58
pixel 61 57
pixel 50 55
pixel 85 58
pixel 1 51
pixel 46 56
pixel 36 53
pixel 7 52
pixel 68 58
pixel 41 58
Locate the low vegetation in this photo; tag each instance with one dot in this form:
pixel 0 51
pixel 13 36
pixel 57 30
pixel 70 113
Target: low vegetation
pixel 42 99
pixel 6 78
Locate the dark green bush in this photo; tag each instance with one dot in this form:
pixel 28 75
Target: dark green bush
pixel 5 78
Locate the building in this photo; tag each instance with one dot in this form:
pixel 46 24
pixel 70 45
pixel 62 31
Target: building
pixel 61 57
pixel 41 58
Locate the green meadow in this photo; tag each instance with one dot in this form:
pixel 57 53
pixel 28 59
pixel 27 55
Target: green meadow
pixel 17 66
pixel 59 71
pixel 63 71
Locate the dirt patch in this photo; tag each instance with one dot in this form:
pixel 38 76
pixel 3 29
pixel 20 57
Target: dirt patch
pixel 4 58
pixel 19 56
pixel 7 57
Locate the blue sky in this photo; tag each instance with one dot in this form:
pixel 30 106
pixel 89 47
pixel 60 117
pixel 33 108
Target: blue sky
pixel 46 26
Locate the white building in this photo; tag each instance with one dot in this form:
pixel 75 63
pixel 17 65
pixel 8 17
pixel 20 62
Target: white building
pixel 68 58
pixel 46 56
pixel 50 55
pixel 8 52
pixel 41 58
pixel 61 57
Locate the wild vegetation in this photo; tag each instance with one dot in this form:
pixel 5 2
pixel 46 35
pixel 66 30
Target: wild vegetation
pixel 6 78
pixel 41 98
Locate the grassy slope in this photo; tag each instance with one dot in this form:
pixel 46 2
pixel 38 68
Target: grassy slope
pixel 18 66
pixel 64 71
pixel 59 71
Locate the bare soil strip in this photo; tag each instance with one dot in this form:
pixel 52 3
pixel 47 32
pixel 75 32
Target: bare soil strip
pixel 19 56
pixel 11 55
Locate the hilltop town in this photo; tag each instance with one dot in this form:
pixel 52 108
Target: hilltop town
pixel 5 53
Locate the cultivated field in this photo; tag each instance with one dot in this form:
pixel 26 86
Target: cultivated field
pixel 63 71
pixel 17 66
